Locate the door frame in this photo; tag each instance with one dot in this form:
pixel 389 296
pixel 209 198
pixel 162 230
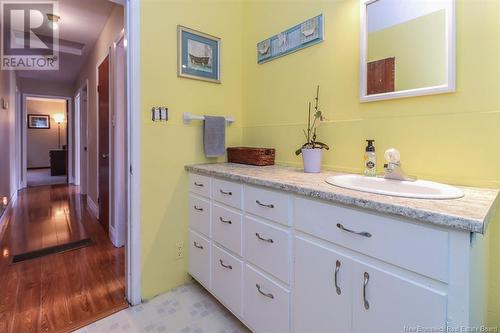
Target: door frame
pixel 78 137
pixel 79 132
pixel 116 232
pixel 23 137
pixel 133 56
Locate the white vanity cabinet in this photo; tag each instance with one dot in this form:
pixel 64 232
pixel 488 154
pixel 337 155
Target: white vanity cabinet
pixel 284 262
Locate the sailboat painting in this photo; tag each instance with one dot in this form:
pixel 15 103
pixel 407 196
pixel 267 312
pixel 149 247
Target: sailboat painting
pixel 302 35
pixel 198 55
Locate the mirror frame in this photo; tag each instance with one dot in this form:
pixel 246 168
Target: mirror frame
pixel 450 86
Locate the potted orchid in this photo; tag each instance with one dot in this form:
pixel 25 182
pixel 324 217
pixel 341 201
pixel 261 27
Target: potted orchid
pixel 312 150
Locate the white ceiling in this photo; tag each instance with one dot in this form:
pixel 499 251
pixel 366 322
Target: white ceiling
pixel 383 14
pixel 81 22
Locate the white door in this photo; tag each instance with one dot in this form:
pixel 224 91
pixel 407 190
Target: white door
pixel 83 141
pixel 77 136
pixel 322 289
pixel 385 302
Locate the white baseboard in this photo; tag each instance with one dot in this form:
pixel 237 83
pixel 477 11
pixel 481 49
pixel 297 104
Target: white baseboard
pixel 94 209
pixel 3 218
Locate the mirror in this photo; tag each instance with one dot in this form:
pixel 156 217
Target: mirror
pixel 407 48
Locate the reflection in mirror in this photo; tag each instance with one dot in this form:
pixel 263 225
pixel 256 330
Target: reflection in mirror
pixel 407 46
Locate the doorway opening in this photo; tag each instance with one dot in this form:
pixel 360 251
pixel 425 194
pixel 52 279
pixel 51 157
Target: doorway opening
pixel 56 233
pixel 46 138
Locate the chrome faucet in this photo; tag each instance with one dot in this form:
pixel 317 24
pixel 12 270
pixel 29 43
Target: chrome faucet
pixel 393 170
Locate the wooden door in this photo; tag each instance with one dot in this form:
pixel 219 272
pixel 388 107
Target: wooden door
pixel 386 302
pixel 103 103
pixel 381 76
pixel 323 297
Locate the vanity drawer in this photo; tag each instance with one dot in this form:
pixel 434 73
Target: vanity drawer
pixel 228 193
pixel 269 204
pixel 421 249
pixel 266 305
pixel 199 214
pixel 200 184
pixel 199 258
pixel 268 247
pixel 227 279
pixel 227 228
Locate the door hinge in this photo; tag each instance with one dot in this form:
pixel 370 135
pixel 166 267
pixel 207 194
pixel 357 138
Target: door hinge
pixel 131 172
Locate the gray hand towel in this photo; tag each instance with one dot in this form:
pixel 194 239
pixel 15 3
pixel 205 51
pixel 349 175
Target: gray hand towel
pixel 214 136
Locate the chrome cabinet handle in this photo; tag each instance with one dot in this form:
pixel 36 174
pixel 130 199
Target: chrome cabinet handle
pixel 271 296
pixel 197 246
pixel 264 205
pixel 198 184
pixel 105 156
pixel 226 193
pixel 225 221
pixel 365 282
pixel 361 233
pixel 198 208
pixel 269 240
pixel 337 268
pixel 224 265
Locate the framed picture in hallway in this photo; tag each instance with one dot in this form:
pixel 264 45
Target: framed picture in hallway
pixel 198 55
pixel 39 121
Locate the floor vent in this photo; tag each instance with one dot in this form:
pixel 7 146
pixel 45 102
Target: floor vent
pixel 51 250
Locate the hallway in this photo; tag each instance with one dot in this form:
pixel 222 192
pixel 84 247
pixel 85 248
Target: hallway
pixel 63 291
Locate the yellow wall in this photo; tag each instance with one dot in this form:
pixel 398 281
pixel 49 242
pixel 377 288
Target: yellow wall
pixel 419 46
pixel 167 147
pixel 452 138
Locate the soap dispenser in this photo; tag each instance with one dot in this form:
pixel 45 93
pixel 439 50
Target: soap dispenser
pixel 370 159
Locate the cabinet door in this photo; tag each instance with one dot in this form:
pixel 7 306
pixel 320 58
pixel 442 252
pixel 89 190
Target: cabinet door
pixel 322 289
pixel 386 302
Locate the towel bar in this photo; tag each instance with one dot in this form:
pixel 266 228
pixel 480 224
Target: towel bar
pixel 188 117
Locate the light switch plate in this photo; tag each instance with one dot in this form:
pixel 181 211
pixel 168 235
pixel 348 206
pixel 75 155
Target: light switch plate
pixel 159 113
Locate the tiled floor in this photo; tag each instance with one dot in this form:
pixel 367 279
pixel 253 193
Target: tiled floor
pixel 187 309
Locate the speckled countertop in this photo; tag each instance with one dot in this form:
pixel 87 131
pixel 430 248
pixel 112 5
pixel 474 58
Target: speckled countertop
pixel 470 213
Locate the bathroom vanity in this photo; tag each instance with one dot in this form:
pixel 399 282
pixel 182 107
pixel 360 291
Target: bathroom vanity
pixel 286 252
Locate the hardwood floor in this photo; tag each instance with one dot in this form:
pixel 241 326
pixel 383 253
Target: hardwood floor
pixel 64 291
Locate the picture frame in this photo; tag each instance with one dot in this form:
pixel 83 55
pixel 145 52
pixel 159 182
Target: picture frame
pixel 38 121
pixel 198 55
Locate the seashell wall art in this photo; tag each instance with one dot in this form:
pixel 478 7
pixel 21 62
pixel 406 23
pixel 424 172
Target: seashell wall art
pixel 296 38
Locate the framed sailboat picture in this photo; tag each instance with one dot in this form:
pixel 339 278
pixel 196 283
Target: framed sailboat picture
pixel 199 55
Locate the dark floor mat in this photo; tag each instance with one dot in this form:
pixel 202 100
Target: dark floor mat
pixel 51 250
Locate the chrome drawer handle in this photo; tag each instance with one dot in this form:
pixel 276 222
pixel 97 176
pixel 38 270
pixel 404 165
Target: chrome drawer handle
pixel 198 208
pixel 337 268
pixel 365 282
pixel 271 296
pixel 361 233
pixel 264 205
pixel 226 193
pixel 197 246
pixel 198 184
pixel 224 265
pixel 225 221
pixel 269 240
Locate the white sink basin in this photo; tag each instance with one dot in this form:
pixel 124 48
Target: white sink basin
pixel 420 189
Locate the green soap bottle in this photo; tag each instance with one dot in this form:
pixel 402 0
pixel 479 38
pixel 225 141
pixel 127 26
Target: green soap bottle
pixel 370 159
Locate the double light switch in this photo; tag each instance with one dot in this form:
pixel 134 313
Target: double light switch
pixel 159 113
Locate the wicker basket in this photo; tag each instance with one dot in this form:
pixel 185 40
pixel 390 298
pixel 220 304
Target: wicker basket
pixel 251 155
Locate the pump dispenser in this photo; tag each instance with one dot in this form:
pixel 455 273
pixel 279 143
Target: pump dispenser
pixel 370 159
